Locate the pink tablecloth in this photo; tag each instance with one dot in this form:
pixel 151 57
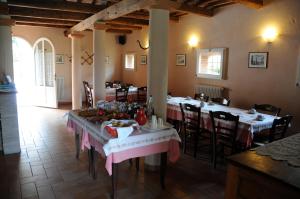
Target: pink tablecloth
pixel 172 147
pixel 170 144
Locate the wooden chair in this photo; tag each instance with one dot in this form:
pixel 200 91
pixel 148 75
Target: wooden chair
pixel 223 136
pixel 201 96
pixel 191 123
pixel 88 94
pixel 277 131
pixel 221 101
pixel 267 108
pixel 142 94
pixel 109 84
pixel 121 94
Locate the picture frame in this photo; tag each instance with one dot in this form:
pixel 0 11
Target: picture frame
pixel 258 60
pixel 143 60
pixel 59 59
pixel 180 59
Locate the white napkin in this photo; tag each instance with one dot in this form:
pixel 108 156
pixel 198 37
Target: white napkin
pixel 124 132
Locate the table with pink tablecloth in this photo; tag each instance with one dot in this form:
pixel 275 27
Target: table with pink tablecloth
pixel 111 94
pixel 140 143
pixel 248 124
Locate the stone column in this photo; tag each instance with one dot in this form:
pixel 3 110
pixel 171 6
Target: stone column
pixel 157 79
pixel 99 37
pixel 10 142
pixel 6 57
pixel 76 70
pixel 158 60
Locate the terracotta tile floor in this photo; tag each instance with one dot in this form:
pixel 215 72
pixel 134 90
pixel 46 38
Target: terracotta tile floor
pixel 47 168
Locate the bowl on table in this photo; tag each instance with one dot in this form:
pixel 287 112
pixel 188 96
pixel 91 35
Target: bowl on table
pixel 252 111
pixel 260 118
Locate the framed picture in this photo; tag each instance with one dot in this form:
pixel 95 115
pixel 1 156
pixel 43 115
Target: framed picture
pixel 258 60
pixel 143 59
pixel 180 60
pixel 59 59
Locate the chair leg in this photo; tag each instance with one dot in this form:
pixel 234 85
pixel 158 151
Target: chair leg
pixel 214 151
pixel 195 144
pixel 184 142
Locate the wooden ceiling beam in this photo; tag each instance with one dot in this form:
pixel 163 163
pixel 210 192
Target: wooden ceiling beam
pixel 44 21
pixel 58 5
pixel 145 15
pixel 42 25
pixel 120 31
pixel 3 9
pixel 128 21
pixel 116 10
pixel 186 8
pixel 251 3
pixel 123 26
pixel 47 14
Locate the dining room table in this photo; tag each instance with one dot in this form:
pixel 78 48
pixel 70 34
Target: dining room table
pixel 111 94
pixel 249 124
pixel 141 142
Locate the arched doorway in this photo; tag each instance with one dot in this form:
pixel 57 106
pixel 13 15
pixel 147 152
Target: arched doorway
pixel 23 70
pixel 44 73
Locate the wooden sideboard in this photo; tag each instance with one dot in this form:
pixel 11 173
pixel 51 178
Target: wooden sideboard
pixel 252 176
pixel 9 123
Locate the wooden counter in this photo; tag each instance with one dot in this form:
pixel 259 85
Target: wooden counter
pixel 254 176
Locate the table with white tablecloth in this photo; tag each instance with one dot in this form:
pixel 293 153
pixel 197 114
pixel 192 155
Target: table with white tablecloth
pixel 111 94
pixel 248 123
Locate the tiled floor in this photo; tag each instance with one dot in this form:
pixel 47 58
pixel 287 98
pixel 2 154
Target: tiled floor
pixel 47 168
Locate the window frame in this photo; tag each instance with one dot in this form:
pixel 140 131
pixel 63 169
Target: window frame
pixel 134 61
pixel 223 53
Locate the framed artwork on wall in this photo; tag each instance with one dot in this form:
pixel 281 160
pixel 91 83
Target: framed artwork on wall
pixel 180 60
pixel 143 59
pixel 258 59
pixel 59 59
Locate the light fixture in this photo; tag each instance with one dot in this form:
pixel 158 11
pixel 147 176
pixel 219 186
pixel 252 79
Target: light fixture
pixel 270 34
pixel 193 41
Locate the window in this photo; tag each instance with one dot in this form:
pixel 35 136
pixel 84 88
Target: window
pixel 129 61
pixel 210 63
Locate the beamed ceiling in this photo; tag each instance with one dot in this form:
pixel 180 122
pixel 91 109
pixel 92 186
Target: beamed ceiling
pixel 68 13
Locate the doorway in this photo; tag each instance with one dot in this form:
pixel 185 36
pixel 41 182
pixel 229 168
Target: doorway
pixel 44 73
pixel 23 70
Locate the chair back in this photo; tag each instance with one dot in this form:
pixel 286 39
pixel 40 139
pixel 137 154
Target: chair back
pixel 221 100
pixel 225 133
pixel 202 97
pixel 109 84
pixel 142 94
pixel 267 108
pixel 121 94
pixel 88 94
pixel 191 117
pixel 279 128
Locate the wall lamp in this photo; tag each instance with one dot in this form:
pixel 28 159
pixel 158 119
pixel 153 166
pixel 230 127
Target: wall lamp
pixel 270 34
pixel 193 41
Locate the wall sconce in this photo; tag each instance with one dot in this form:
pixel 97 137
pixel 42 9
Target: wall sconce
pixel 193 41
pixel 144 48
pixel 270 34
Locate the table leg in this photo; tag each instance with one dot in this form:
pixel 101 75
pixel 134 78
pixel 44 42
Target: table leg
pixel 77 144
pixel 93 156
pixel 114 180
pixel 163 167
pixel 137 164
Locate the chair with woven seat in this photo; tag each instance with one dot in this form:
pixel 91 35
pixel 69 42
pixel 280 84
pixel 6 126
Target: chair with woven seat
pixel 223 135
pixel 221 101
pixel 121 94
pixel 191 123
pixel 201 96
pixel 277 132
pixel 267 108
pixel 88 94
pixel 142 94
